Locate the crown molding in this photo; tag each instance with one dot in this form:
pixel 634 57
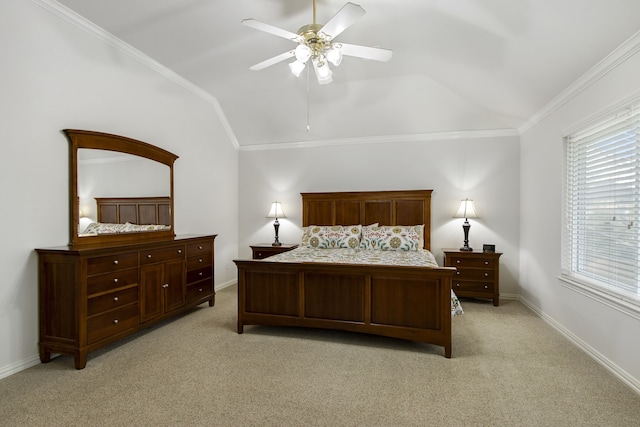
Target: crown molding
pixel 419 137
pixel 106 37
pixel 623 52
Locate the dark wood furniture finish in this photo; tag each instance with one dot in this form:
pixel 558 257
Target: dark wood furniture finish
pixel 134 210
pixel 105 287
pixel 80 139
pixel 92 296
pixel 477 275
pixel 412 303
pixel 264 250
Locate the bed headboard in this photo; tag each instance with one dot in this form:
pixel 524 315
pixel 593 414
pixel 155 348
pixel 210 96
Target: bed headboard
pixel 410 207
pixel 135 210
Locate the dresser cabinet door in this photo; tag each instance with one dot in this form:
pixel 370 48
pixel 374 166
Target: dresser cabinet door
pixel 151 290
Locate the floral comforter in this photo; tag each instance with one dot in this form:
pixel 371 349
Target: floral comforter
pixel 420 258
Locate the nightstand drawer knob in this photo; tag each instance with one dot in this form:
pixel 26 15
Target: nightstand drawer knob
pixel 115 261
pixel 115 321
pixel 115 280
pixel 486 287
pixel 149 256
pixel 115 299
pixel 457 261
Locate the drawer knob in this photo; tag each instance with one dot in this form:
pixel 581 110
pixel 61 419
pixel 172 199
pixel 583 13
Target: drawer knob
pixel 179 251
pixel 457 272
pixel 115 280
pixel 457 261
pixel 200 274
pixel 200 260
pixel 200 247
pixel 166 285
pixel 115 321
pixel 148 255
pixel 486 263
pixel 486 274
pixel 115 299
pixel 115 261
pixel 200 289
pixel 486 287
pixel 457 285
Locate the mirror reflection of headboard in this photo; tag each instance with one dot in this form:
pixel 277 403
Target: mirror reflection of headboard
pixel 140 210
pixel 83 139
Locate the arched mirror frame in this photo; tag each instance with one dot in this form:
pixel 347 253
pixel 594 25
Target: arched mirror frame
pixel 104 141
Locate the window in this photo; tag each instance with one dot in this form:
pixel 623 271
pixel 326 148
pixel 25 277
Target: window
pixel 601 233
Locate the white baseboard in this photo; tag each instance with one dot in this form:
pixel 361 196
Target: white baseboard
pixel 18 366
pixel 593 353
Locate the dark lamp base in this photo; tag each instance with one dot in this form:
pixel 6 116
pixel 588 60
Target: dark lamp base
pixel 276 244
pixel 466 249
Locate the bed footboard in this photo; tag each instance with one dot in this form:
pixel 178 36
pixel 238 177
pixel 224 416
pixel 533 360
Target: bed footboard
pixel 412 303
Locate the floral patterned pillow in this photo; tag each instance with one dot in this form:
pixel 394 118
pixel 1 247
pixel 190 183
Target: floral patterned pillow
pixel 334 236
pixel 104 228
pixel 393 238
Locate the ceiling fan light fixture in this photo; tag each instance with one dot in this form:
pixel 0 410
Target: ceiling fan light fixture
pixel 323 72
pixel 296 67
pixel 303 53
pixel 334 54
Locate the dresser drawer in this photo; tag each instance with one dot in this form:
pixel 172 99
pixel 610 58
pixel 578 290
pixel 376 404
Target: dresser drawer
pixel 200 248
pixel 199 261
pixel 474 274
pixel 112 280
pixel 112 322
pixel 161 255
pixel 199 291
pixel 103 264
pixel 199 274
pixel 478 287
pixel 476 262
pixel 112 300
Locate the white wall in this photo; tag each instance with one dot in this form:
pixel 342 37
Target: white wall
pixel 605 332
pixel 55 75
pixel 484 169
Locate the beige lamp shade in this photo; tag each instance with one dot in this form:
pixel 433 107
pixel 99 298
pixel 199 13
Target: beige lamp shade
pixel 466 210
pixel 276 211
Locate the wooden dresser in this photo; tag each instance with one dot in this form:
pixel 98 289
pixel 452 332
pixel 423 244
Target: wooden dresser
pixel 477 274
pixel 92 296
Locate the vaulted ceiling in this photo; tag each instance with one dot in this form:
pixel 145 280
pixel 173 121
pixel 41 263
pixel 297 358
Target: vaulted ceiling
pixel 457 65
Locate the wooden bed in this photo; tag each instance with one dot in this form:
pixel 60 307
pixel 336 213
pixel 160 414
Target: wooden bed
pixel 412 303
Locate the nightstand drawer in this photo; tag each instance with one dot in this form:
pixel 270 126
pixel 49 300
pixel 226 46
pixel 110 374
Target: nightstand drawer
pixel 480 287
pixel 265 250
pixel 471 261
pixel 473 274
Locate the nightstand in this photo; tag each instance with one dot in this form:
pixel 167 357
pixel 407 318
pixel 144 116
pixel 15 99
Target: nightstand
pixel 478 273
pixel 264 250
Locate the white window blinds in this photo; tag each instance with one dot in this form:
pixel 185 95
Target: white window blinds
pixel 601 236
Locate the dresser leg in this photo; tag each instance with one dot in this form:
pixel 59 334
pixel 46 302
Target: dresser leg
pixel 496 302
pixel 45 355
pixel 80 359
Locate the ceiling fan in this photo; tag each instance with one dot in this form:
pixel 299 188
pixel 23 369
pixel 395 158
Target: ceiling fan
pixel 316 44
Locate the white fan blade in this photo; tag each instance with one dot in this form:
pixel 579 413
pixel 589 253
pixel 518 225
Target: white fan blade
pixel 271 29
pixel 342 20
pixel 271 61
pixel 375 53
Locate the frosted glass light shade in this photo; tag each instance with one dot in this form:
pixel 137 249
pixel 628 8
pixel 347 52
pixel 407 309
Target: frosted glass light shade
pixel 303 53
pixel 296 68
pixel 334 55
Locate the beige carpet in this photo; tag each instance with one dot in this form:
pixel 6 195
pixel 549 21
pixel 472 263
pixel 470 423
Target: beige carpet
pixel 508 368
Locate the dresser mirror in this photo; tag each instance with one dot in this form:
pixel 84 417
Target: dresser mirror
pixel 121 189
